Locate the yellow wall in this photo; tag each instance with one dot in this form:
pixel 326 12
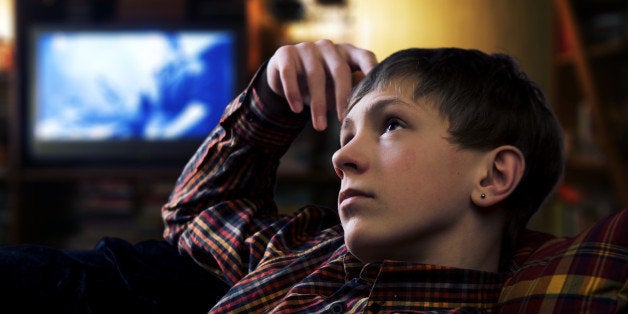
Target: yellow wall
pixel 6 20
pixel 521 28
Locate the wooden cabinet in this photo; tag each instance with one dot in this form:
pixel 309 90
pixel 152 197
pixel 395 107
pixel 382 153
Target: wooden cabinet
pixel 59 204
pixel 70 207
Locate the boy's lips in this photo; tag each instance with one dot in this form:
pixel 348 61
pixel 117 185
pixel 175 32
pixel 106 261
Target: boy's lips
pixel 351 193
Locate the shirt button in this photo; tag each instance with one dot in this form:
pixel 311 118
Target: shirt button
pixel 337 307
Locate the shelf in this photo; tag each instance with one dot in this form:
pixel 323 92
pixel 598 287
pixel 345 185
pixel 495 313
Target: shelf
pixel 595 51
pixel 593 89
pixel 590 164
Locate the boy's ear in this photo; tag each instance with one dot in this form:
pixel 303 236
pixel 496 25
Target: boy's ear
pixel 499 176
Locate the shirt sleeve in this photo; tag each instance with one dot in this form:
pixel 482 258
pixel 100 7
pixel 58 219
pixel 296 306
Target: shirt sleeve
pixel 226 191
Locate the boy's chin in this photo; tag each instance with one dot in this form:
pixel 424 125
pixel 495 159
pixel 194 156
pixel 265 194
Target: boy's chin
pixel 364 250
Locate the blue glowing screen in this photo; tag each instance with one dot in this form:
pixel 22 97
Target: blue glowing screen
pixel 129 85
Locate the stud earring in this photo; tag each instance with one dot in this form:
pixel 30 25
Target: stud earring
pixel 483 196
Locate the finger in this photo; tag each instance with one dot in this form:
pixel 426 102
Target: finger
pixel 318 101
pixel 359 59
pixel 340 76
pixel 291 89
pixel 315 78
pixel 282 74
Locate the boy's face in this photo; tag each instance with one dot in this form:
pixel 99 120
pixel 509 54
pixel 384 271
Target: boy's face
pixel 405 186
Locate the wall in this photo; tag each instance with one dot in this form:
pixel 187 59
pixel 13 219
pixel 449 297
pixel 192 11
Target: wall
pixel 521 28
pixel 6 20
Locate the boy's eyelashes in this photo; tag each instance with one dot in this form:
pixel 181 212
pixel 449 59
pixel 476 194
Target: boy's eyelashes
pixel 392 124
pixel 389 124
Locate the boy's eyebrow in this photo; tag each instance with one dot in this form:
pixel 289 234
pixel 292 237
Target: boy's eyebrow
pixel 375 107
pixel 347 124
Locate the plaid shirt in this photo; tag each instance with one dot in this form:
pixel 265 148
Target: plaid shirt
pixel 222 213
pixel 586 273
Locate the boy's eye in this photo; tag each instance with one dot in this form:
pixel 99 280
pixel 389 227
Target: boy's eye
pixel 392 124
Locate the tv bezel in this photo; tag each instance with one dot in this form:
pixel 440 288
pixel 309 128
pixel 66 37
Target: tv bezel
pixel 111 154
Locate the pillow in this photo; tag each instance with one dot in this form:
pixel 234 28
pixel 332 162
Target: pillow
pixel 587 273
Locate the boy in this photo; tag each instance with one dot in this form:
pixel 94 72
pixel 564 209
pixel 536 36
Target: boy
pixel 444 155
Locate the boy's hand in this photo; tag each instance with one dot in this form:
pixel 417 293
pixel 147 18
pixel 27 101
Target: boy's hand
pixel 318 74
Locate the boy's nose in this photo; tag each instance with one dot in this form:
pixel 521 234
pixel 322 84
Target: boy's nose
pixel 349 160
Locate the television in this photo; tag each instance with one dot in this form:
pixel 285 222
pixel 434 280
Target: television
pixel 116 96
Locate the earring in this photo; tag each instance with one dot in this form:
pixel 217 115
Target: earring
pixel 483 195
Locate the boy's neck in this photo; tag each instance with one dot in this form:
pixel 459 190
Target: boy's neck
pixel 474 243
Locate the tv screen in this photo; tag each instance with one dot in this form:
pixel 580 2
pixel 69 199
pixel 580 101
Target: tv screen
pixel 114 96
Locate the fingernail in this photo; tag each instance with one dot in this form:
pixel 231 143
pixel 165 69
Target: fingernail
pixel 321 122
pixel 298 106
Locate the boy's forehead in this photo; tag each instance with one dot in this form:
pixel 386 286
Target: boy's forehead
pixel 393 88
pixel 389 89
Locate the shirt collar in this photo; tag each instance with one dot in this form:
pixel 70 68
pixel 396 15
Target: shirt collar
pixel 396 282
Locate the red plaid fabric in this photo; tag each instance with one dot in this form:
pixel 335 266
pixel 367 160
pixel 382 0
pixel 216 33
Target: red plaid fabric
pixel 587 273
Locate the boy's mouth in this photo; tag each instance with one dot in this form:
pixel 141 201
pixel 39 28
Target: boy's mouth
pixel 347 194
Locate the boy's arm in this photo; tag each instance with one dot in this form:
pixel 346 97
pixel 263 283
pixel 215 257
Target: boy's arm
pixel 225 193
